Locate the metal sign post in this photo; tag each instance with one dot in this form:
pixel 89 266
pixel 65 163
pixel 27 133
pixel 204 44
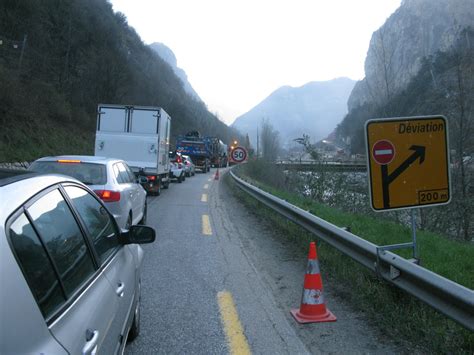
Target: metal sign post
pixel 413 233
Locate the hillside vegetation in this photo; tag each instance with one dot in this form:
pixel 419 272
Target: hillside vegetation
pixel 60 59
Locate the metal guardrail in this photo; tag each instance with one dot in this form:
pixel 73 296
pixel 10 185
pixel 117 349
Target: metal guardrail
pixel 324 165
pixel 446 296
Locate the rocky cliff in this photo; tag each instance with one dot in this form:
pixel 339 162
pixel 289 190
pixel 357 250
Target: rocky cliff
pixel 419 28
pixel 168 56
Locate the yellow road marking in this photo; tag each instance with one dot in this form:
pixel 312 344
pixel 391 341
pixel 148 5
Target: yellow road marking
pixel 204 198
pixel 206 186
pixel 206 225
pixel 233 329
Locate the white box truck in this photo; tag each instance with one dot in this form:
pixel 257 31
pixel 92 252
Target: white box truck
pixel 140 135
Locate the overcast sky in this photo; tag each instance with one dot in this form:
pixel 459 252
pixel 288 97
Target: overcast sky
pixel 236 53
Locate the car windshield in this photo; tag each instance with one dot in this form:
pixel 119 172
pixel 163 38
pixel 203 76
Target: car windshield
pixel 87 173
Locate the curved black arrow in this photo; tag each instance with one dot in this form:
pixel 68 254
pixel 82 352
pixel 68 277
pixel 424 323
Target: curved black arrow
pixel 387 179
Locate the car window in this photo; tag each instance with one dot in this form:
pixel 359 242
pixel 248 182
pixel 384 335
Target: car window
pixel 117 175
pixel 87 173
pixel 121 174
pixel 97 220
pixel 130 173
pixel 124 173
pixel 36 266
pixel 63 239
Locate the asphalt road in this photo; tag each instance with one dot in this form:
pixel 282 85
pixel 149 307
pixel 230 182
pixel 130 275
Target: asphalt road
pixel 218 281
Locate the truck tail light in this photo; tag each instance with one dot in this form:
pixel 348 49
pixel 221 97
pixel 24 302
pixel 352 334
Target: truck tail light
pixel 151 177
pixel 108 195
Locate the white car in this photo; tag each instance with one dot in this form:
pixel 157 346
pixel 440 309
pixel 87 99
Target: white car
pixel 189 166
pixel 111 179
pixel 177 168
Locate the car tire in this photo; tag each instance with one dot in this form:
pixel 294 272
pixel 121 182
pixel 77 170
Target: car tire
pixel 134 331
pixel 145 212
pixel 128 224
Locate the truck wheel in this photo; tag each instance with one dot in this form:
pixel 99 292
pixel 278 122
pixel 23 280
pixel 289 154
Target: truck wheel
pixel 180 179
pixel 166 184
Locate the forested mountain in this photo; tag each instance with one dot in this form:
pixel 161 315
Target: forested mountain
pixel 59 59
pixel 314 109
pixel 168 56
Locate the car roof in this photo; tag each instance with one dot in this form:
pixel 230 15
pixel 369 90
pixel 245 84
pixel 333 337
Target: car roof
pixel 8 176
pixel 82 158
pixel 18 187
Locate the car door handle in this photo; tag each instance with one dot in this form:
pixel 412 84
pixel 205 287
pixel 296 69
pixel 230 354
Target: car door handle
pixel 119 289
pixel 90 347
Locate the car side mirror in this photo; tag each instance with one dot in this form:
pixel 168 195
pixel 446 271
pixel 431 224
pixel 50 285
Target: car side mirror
pixel 142 179
pixel 138 235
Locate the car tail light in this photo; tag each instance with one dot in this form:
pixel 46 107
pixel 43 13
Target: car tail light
pixel 178 159
pixel 108 195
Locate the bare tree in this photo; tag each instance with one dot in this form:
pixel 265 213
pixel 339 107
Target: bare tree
pixel 309 148
pixel 270 141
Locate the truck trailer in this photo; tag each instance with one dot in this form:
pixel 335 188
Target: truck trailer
pixel 140 135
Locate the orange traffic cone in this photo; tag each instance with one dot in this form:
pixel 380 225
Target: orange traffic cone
pixel 312 307
pixel 216 177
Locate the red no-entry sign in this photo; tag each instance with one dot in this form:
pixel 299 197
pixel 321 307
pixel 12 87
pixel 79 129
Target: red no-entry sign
pixel 383 152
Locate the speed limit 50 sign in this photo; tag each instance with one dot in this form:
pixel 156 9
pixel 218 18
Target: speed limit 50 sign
pixel 239 154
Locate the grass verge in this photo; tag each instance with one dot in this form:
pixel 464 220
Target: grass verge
pixel 397 314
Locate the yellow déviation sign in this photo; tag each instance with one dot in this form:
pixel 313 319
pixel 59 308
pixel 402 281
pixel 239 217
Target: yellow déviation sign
pixel 408 162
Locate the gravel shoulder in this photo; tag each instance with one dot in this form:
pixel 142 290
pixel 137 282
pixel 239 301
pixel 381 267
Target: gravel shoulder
pixel 281 267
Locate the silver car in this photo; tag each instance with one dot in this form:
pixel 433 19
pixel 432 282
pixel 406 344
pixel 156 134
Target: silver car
pixel 111 179
pixel 189 166
pixel 70 277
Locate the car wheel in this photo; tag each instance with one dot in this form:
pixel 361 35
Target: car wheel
pixel 193 173
pixel 145 211
pixel 129 222
pixel 134 331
